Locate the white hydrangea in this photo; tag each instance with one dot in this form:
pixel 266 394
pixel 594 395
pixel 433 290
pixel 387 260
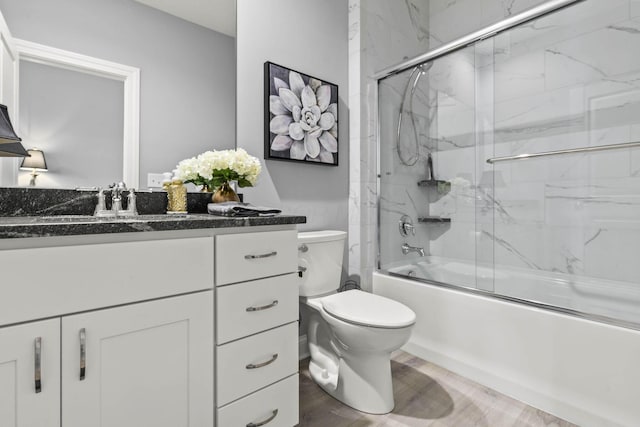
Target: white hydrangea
pixel 211 163
pixel 188 169
pixel 245 164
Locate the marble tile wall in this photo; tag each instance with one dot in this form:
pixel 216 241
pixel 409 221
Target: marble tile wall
pixel 583 208
pixel 564 81
pixel 382 34
pixel 389 33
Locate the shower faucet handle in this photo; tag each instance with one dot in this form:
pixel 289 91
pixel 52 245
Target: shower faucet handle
pixel 409 228
pixel 405 226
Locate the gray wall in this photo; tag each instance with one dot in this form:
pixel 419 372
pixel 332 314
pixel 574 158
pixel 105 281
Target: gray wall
pixel 187 71
pixel 310 37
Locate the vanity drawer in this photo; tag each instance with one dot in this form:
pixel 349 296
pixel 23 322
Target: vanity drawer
pixel 254 362
pixel 250 307
pixel 249 256
pixel 69 279
pixel 278 402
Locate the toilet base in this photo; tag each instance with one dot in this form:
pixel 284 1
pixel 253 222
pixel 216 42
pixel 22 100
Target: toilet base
pixel 364 383
pixel 352 362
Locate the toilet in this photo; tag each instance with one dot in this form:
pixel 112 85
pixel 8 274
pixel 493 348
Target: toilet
pixel 351 334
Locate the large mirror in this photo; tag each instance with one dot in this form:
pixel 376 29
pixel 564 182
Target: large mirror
pixel 79 119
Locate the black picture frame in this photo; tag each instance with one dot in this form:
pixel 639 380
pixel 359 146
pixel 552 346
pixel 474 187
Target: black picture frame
pixel 300 117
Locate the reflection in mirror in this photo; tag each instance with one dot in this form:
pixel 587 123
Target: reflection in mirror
pixel 34 163
pixel 76 119
pixel 187 91
pixel 83 112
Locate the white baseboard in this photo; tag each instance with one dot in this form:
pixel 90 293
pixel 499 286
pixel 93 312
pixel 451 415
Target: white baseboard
pixel 303 347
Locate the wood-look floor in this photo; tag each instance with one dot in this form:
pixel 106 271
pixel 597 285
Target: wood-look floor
pixel 426 395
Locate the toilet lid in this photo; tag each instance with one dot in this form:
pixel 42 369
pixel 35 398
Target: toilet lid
pixel 363 308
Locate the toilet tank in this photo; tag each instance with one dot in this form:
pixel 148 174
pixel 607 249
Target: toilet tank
pixel 320 253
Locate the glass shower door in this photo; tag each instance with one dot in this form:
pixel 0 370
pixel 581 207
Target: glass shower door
pixel 428 185
pixel 512 165
pixel 571 233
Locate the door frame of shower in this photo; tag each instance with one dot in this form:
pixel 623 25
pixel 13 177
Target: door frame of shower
pixel 458 44
pixel 484 33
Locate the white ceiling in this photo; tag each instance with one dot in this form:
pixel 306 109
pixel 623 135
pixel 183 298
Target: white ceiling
pixel 218 15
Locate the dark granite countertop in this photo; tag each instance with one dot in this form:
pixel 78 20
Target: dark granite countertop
pixel 43 212
pixel 12 227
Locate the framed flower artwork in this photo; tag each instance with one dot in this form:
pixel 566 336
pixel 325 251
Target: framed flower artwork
pixel 301 117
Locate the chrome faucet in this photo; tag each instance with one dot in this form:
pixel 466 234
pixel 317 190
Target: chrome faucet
pixel 116 197
pixel 132 208
pixel 116 202
pixel 406 249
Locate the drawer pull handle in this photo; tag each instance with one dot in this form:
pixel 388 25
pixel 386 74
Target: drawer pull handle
pixel 267 421
pixel 83 353
pixel 263 364
pixel 37 364
pixel 264 307
pixel 268 255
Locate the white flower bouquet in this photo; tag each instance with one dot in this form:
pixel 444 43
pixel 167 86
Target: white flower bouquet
pixel 215 168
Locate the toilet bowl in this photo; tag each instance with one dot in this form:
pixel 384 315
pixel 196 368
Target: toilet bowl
pixel 351 334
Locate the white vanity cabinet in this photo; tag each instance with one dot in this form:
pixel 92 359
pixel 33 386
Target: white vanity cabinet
pixel 188 328
pixel 129 339
pixel 257 329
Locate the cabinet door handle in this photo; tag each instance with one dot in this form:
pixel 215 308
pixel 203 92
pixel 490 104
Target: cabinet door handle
pixel 83 353
pixel 270 254
pixel 264 307
pixel 263 364
pixel 267 421
pixel 38 364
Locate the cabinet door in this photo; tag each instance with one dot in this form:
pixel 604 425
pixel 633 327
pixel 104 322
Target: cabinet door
pixel 147 364
pixel 21 403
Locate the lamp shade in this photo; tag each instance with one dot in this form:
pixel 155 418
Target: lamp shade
pixel 14 149
pixel 35 161
pixel 9 142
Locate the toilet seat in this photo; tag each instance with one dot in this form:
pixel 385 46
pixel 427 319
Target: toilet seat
pixel 366 309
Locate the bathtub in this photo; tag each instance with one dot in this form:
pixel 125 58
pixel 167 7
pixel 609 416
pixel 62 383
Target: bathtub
pixel 603 300
pixel 584 371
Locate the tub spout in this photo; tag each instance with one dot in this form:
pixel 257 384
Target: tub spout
pixel 406 249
